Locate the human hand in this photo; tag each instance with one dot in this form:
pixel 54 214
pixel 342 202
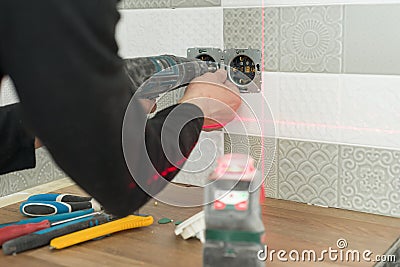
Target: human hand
pixel 149 105
pixel 216 96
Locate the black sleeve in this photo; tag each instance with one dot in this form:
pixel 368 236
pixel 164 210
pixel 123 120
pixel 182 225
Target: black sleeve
pixel 17 149
pixel 74 92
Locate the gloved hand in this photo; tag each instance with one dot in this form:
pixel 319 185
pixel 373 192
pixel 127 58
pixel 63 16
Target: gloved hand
pixel 217 97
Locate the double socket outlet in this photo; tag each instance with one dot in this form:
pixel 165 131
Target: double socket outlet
pixel 243 65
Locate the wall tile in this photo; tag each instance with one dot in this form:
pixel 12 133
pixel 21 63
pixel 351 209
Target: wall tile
pixel 195 3
pixel 247 3
pixel 155 31
pixel 308 172
pixel 242 3
pixel 45 171
pixel 202 160
pixel 271 39
pixel 312 39
pixel 144 4
pixel 243 28
pixel 370 180
pixel 263 150
pixel 130 4
pixel 372 39
pixel 370 111
pixel 309 107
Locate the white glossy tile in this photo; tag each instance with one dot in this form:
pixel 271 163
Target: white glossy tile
pixel 308 107
pixel 169 31
pixel 370 110
pixel 242 3
pixel 246 3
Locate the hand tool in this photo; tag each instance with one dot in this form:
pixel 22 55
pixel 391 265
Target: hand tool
pixel 126 223
pixel 14 231
pixel 43 237
pixel 51 218
pixel 167 73
pixel 58 198
pixel 43 208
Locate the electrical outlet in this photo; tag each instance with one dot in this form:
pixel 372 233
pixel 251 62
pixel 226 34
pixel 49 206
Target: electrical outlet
pixel 243 65
pixel 244 68
pixel 212 55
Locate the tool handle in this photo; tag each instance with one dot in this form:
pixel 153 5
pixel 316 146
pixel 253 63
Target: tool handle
pixel 128 222
pixel 51 218
pixel 44 208
pixel 58 198
pixel 14 231
pixel 43 237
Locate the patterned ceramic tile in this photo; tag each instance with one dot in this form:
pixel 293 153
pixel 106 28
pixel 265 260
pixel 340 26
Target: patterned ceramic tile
pixel 311 39
pixel 370 180
pixel 195 3
pixel 263 150
pixel 308 172
pixel 45 171
pixel 271 39
pixel 243 28
pixel 133 4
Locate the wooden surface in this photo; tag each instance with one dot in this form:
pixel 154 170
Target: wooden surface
pixel 288 225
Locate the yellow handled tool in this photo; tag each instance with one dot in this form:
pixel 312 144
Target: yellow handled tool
pixel 126 223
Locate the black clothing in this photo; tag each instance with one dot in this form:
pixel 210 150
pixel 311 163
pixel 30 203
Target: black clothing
pixel 62 57
pixel 17 151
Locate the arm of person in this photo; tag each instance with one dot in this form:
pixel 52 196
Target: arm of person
pixel 74 92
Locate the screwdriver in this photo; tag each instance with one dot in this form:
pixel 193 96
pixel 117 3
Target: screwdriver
pixel 14 231
pixel 43 208
pixel 43 237
pixel 58 198
pixel 51 218
pixel 129 222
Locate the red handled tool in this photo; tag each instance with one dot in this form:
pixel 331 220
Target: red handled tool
pixel 14 231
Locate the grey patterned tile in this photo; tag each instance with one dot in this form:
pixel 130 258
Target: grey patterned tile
pixel 308 172
pixel 311 39
pixel 271 39
pixel 121 5
pixel 195 3
pixel 45 171
pixel 370 180
pixel 243 28
pixel 263 150
pixel 137 4
pixel 371 39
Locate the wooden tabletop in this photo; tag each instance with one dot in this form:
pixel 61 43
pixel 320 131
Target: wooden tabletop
pixel 289 226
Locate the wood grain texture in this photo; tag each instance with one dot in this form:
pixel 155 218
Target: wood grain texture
pixel 288 225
